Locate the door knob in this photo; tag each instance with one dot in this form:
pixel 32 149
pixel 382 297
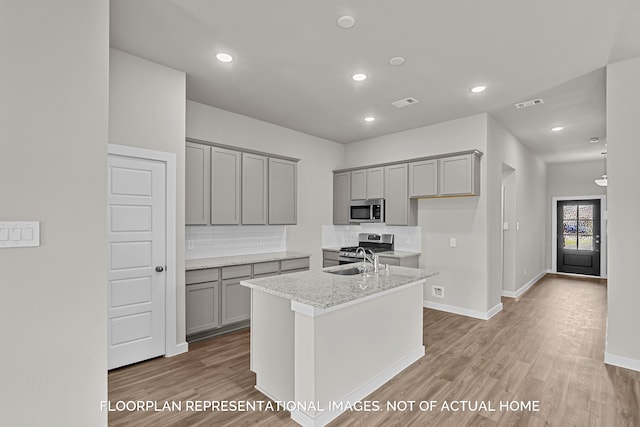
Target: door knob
pixel 159 269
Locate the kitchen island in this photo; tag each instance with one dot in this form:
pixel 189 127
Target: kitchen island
pixel 321 342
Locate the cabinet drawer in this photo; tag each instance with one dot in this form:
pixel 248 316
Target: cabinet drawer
pixel 236 271
pixel 294 264
pixel 262 268
pixel 201 276
pixel 330 255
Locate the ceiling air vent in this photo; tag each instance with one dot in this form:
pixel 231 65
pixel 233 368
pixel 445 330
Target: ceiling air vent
pixel 404 102
pixel 530 103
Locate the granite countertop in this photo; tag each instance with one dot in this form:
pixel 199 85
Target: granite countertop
pixel 390 254
pixel 225 261
pixel 323 290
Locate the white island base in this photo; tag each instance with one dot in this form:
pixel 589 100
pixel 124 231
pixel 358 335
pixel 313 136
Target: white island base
pixel 318 360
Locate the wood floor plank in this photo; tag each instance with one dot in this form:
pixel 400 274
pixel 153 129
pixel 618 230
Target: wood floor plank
pixel 545 346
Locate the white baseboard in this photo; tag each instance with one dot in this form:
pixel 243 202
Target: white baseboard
pixel 178 349
pixel 623 362
pixel 525 288
pixel 325 417
pixel 484 315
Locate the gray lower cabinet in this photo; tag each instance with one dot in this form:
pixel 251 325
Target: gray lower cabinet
pixel 225 186
pixel 198 190
pixel 293 265
pixel 282 191
pixel 202 300
pixel 236 299
pixel 408 261
pixel 254 189
pixel 341 197
pixel 217 303
pixel 330 258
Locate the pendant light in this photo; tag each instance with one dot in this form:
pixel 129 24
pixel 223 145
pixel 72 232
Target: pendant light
pixel 602 182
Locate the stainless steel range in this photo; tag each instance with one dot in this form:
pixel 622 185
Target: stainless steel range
pixel 371 241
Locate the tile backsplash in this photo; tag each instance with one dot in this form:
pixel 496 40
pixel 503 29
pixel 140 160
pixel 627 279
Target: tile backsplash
pixel 406 238
pixel 207 241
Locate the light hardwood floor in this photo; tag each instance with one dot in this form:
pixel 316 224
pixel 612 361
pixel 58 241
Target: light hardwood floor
pixel 546 346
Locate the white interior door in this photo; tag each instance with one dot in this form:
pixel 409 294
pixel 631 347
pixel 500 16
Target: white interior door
pixel 136 260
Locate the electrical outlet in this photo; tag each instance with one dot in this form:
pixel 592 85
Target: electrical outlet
pixel 437 291
pixel 453 242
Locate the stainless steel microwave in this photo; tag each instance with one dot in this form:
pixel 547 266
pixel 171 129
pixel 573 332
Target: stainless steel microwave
pixel 371 210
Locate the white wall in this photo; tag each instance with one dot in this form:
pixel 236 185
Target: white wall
pixel 530 208
pixel 53 162
pixel 147 110
pixel 623 134
pixel 569 180
pixel 318 158
pixel 463 270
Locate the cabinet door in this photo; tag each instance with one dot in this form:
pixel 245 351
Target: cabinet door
pixel 202 307
pixel 397 200
pixel 225 186
pixel 198 190
pixel 236 301
pixel 341 197
pixel 282 191
pixel 359 184
pixel 375 183
pixel 456 175
pixel 423 178
pixel 254 189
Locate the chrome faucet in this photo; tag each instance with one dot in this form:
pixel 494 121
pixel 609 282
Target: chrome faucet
pixel 373 259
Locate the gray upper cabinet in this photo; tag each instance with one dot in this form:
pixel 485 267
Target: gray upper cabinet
pixel 359 184
pixel 397 199
pixel 198 191
pixel 341 197
pixel 254 188
pixel 225 186
pixel 423 178
pixel 459 175
pixel 375 183
pixel 282 191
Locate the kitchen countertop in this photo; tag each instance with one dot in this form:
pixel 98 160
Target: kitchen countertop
pixel 390 254
pixel 323 290
pixel 225 261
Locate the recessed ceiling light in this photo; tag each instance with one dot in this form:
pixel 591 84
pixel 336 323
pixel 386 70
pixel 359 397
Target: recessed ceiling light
pixel 224 57
pixel 557 128
pixel 396 60
pixel 369 119
pixel 478 89
pixel 346 22
pixel 359 77
pixel 594 139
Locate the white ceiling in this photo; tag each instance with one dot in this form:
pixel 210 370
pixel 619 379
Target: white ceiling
pixel 293 64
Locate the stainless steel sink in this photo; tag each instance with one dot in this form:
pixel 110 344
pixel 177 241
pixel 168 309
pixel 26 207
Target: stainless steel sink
pixel 347 271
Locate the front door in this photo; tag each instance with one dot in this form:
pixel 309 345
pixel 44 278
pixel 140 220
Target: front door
pixel 136 260
pixel 578 232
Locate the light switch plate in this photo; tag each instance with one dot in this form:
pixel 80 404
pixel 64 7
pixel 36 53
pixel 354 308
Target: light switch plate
pixel 453 242
pixel 19 234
